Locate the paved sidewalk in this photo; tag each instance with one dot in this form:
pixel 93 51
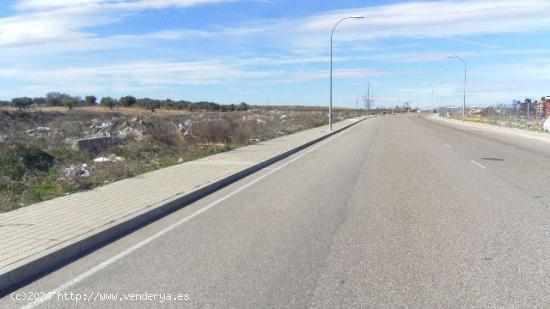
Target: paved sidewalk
pixel 539 136
pixel 41 236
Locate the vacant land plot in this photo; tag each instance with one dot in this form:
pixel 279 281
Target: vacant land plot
pixel 49 152
pixel 519 122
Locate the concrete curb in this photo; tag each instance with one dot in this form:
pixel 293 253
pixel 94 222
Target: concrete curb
pixel 29 271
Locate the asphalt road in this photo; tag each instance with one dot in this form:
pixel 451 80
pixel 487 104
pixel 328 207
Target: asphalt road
pixel 395 212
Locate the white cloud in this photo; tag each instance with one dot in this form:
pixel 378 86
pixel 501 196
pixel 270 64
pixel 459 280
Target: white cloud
pixel 49 4
pixel 46 21
pixel 139 73
pixel 426 19
pixel 41 21
pixel 109 4
pixel 440 18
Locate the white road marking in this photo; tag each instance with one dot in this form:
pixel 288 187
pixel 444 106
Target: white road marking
pixel 448 146
pixel 478 164
pixel 48 296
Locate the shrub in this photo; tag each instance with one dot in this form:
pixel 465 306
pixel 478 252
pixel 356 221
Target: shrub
pixel 35 159
pixel 242 132
pixel 152 105
pixel 214 131
pixel 163 132
pixel 16 161
pixel 14 187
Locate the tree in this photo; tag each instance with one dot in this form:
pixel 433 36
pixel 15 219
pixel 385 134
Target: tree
pixel 39 101
pixel 152 105
pixel 90 100
pixel 56 98
pixel 127 101
pixel 108 102
pixel 70 102
pixel 183 104
pixel 168 103
pixel 242 107
pixel 21 103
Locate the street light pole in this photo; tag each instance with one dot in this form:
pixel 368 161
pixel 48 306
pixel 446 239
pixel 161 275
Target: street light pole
pixel 331 52
pixel 465 72
pixel 433 98
pixel 368 99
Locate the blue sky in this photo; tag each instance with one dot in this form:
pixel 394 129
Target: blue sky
pixel 276 51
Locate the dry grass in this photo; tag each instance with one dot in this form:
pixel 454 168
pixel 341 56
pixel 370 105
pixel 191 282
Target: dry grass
pixel 105 110
pixel 164 132
pixel 213 131
pixel 167 137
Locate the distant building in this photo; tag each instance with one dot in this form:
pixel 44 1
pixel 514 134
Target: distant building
pixel 543 107
pixel 487 111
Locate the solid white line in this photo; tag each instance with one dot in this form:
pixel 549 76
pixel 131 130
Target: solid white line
pixel 448 146
pixel 48 296
pixel 478 164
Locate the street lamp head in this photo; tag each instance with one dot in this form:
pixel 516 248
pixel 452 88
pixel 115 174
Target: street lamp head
pixel 357 17
pixel 451 57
